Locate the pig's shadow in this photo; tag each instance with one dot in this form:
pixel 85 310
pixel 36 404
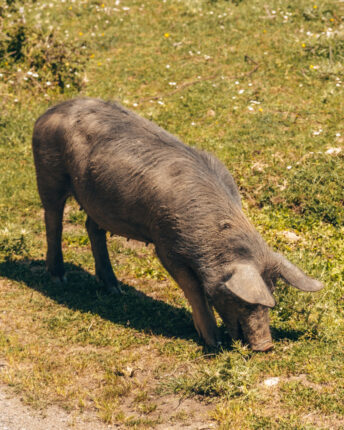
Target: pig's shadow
pixel 82 292
pixel 132 309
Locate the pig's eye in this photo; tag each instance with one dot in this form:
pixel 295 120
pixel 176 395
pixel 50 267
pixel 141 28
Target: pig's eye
pixel 225 225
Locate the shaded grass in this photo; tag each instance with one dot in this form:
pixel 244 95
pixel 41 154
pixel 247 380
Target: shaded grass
pixel 133 309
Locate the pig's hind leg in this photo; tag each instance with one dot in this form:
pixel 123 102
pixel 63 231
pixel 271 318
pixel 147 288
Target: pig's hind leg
pixel 53 194
pixel 101 256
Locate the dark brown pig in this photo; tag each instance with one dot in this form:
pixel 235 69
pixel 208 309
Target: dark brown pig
pixel 134 179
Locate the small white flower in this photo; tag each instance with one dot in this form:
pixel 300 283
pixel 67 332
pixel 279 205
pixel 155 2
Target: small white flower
pixel 237 82
pixel 135 104
pixel 289 167
pixel 193 123
pixel 160 102
pixel 338 134
pixel 317 132
pixel 250 108
pixel 241 91
pixel 48 83
pixel 334 151
pixel 167 66
pixel 270 382
pixel 172 83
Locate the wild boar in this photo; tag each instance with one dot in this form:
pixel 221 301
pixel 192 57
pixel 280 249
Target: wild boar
pixel 136 180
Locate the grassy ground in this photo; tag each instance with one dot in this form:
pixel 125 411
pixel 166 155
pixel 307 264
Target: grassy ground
pixel 260 84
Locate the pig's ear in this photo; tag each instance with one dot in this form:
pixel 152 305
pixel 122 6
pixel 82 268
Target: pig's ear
pixel 247 284
pixel 294 276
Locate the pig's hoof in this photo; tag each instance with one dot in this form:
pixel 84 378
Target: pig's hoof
pixel 59 280
pixel 114 290
pixel 263 346
pixel 213 341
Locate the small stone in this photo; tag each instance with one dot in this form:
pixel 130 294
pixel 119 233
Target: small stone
pixel 293 237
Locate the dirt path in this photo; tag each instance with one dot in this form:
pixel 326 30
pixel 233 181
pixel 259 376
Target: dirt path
pixel 16 416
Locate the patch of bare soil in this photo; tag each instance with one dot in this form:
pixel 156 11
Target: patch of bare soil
pixel 16 416
pixel 172 413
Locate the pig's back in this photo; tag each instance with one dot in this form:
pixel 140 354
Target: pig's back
pixel 127 165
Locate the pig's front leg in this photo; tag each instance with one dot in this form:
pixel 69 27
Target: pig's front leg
pixel 101 256
pixel 202 313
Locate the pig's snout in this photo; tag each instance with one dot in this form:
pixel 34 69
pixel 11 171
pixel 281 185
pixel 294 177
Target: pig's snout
pixel 257 341
pixel 256 328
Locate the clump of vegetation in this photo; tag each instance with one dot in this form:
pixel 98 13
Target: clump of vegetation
pixel 228 376
pixel 11 246
pixel 37 57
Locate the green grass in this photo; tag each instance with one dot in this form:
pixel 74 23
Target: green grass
pixel 261 86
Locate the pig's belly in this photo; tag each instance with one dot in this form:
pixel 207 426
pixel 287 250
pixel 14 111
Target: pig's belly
pixel 136 232
pixel 109 220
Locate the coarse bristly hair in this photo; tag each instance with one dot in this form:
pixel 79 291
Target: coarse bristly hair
pixel 200 215
pixel 136 180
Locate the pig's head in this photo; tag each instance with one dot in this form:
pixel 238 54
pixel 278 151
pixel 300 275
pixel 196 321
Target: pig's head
pixel 244 295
